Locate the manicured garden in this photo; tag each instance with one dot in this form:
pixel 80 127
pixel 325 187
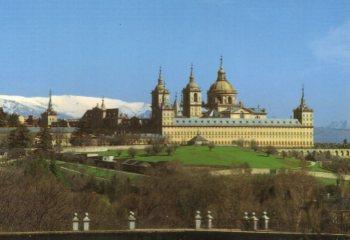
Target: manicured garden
pixel 219 156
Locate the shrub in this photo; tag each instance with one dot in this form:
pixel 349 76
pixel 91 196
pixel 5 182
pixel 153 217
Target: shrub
pixel 240 143
pixel 148 150
pixel 157 147
pixel 169 150
pixel 132 152
pixel 284 154
pixel 119 153
pixel 254 146
pixel 270 150
pixel 211 145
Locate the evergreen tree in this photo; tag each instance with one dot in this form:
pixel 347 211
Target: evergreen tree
pixel 20 138
pixel 44 140
pixel 53 166
pixel 77 138
pixel 12 120
pixel 30 120
pixel 3 118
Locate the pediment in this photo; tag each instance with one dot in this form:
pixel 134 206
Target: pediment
pixel 241 110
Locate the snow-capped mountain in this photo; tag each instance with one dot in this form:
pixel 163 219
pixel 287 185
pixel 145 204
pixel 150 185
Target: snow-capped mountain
pixel 335 132
pixel 69 106
pixel 339 125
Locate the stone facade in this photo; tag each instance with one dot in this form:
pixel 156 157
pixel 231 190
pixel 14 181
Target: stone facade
pixel 100 117
pixel 224 120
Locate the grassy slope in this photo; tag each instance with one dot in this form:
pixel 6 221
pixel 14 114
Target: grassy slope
pixel 219 156
pixel 317 168
pixel 95 171
pixel 202 156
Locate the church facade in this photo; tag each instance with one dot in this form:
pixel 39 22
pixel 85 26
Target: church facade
pixel 224 120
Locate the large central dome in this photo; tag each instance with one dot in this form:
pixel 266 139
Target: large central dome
pixel 221 94
pixel 222 85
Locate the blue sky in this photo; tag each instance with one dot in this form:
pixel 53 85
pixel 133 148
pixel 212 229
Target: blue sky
pixel 114 49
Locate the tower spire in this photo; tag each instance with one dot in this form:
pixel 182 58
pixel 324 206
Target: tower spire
pixel 160 77
pixel 191 74
pixel 175 98
pixel 49 107
pixel 302 101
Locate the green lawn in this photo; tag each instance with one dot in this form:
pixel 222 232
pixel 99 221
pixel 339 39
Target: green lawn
pixel 327 181
pixel 96 171
pixel 219 156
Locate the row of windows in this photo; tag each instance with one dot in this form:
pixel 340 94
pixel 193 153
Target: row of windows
pixel 233 121
pixel 262 134
pixel 221 100
pixel 267 143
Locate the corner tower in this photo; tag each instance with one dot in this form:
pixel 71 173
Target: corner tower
pixel 221 94
pixel 303 113
pixel 192 98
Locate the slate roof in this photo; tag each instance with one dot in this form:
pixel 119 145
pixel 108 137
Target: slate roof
pixel 6 130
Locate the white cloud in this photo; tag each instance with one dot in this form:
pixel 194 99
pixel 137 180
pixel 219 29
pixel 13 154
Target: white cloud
pixel 335 46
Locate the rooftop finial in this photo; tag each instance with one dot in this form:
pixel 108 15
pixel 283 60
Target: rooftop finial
pixel 221 72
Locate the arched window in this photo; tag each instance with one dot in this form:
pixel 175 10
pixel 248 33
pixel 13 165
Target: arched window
pixel 219 100
pixel 230 100
pixel 195 97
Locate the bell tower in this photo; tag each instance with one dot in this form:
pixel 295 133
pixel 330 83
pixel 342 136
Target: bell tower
pixel 160 95
pixel 303 113
pixel 50 115
pixel 192 98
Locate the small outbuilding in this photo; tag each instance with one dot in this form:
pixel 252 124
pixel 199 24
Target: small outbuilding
pixel 199 140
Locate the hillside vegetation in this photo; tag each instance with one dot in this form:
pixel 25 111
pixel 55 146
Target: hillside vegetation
pixel 38 190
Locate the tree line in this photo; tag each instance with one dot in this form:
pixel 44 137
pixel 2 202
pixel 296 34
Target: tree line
pixel 20 139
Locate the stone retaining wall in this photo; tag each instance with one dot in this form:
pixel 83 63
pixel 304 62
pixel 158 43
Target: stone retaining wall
pixel 87 149
pixel 170 235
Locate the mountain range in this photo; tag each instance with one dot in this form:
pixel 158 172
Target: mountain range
pixel 69 106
